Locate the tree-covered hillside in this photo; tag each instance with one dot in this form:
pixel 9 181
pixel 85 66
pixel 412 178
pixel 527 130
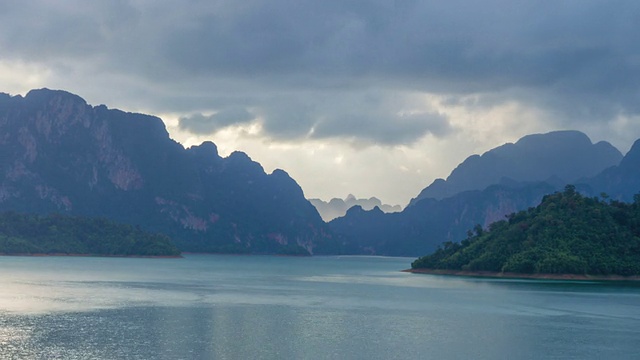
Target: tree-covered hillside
pixel 566 234
pixel 58 234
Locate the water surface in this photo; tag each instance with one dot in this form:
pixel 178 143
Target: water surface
pixel 262 307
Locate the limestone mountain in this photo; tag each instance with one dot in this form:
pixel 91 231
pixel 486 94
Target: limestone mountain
pixel 61 155
pixel 620 182
pixel 559 157
pixel 338 207
pixel 484 189
pixel 420 228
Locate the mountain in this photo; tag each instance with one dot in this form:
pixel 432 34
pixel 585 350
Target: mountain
pixel 338 207
pixel 566 234
pixel 559 157
pixel 620 182
pixel 62 155
pixel 419 229
pixel 446 210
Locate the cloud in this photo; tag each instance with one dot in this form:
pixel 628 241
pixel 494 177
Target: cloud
pixel 370 117
pixel 341 71
pixel 579 59
pixel 202 124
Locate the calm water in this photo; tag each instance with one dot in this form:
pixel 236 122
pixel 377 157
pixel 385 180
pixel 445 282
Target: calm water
pixel 260 307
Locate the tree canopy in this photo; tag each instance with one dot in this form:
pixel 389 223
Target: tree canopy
pixel 58 234
pixel 566 234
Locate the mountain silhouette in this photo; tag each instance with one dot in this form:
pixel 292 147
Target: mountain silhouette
pixel 61 155
pixel 560 157
pixel 338 207
pixel 484 189
pixel 619 182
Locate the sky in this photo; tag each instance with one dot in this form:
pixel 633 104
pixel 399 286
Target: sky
pixel 372 98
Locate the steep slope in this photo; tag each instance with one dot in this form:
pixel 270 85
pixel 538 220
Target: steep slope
pixel 62 155
pixel 509 178
pixel 419 229
pixel 560 157
pixel 620 182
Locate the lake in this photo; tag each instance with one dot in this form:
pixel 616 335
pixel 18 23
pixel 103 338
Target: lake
pixel 268 307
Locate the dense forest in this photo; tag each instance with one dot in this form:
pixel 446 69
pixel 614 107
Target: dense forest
pixel 58 234
pixel 566 234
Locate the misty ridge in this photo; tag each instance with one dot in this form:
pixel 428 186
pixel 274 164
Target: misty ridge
pixel 64 156
pixel 336 207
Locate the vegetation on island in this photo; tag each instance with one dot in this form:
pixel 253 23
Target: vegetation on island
pixel 28 234
pixel 567 233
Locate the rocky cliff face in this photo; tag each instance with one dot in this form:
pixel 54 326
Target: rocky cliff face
pixel 62 155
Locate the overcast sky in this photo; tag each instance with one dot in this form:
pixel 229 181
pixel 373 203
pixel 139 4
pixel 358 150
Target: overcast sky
pixel 374 98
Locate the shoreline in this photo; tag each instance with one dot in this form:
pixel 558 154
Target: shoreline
pixel 245 254
pixel 500 275
pixel 96 255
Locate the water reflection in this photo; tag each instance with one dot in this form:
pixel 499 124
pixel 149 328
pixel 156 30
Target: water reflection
pixel 319 308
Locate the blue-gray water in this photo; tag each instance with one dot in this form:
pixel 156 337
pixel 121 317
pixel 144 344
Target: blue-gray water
pixel 261 307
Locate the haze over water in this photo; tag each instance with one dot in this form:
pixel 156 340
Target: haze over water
pixel 241 307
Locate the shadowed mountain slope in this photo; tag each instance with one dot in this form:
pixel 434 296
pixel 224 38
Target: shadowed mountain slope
pixel 449 211
pixel 419 229
pixel 560 157
pixel 620 182
pixel 62 155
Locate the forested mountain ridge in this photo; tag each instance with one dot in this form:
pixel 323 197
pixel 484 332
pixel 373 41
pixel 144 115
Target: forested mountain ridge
pixel 566 234
pixel 62 155
pixel 420 228
pixel 28 234
pixel 425 224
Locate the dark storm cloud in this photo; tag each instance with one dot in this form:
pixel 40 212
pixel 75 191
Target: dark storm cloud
pixel 201 124
pixel 44 30
pixel 385 129
pixel 369 117
pixel 580 59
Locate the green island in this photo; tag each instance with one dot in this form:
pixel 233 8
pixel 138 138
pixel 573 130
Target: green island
pixel 567 236
pixel 27 234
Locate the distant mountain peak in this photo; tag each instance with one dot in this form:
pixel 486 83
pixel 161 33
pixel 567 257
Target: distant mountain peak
pixel 621 182
pixel 207 147
pixel 563 136
pixel 633 156
pixel 566 155
pixel 59 97
pixel 338 207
